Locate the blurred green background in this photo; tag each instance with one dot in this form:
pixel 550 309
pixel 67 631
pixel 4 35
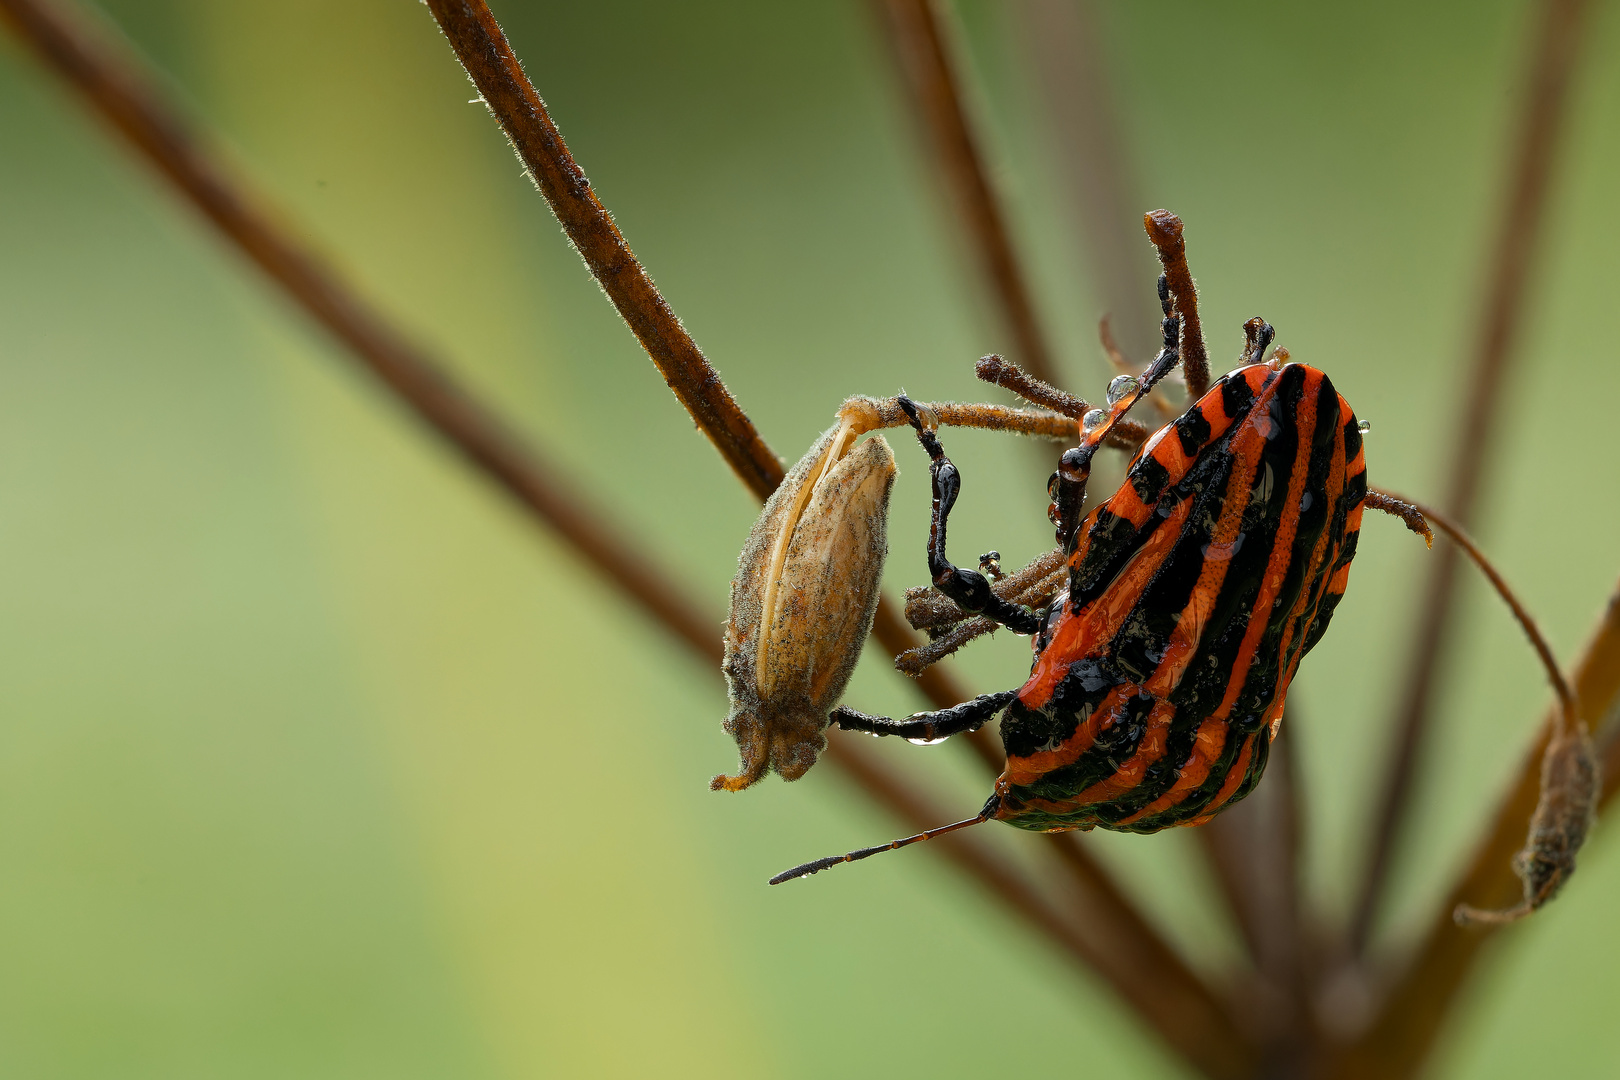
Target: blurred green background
pixel 317 760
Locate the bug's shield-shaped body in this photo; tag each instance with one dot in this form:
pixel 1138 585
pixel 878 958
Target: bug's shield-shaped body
pixel 1194 591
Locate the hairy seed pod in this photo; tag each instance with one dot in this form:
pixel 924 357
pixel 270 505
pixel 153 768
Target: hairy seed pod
pixel 1571 780
pixel 802 603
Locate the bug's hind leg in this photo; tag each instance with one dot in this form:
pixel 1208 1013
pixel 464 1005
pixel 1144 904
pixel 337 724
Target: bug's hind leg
pixel 969 588
pixel 928 726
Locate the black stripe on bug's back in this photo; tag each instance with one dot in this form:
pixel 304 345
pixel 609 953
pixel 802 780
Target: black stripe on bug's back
pixel 1320 513
pixel 1192 429
pixel 1145 633
pixel 1302 575
pixel 1354 494
pixel 1210 671
pixel 1196 801
pixel 1236 395
pixel 1259 754
pixel 1114 746
pixel 1212 668
pixel 1113 540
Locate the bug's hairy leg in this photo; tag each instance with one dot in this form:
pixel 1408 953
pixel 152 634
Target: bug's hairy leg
pixel 969 588
pixel 928 726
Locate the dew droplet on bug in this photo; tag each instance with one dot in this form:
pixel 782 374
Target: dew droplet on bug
pixel 1121 388
pixel 1092 419
pixel 1364 426
pixel 1223 552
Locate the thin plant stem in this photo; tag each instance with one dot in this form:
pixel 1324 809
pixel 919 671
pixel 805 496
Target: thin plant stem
pixel 1063 47
pixel 1535 150
pixel 130 102
pixel 1181 1010
pixel 511 98
pixel 1397 1042
pixel 1165 230
pixel 919 41
pixel 1378 499
pixel 481 31
pixel 117 88
pixel 993 369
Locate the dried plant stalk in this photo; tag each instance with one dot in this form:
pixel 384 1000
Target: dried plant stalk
pixel 918 39
pixel 1165 230
pixel 1409 1018
pixel 506 91
pixel 1552 69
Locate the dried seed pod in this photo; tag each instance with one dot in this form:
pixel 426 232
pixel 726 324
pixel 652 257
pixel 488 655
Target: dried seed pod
pixel 802 603
pixel 1566 811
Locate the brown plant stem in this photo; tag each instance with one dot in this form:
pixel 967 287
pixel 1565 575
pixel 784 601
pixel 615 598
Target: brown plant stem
pixel 484 52
pixel 1183 1013
pixel 116 87
pixel 1165 230
pixel 993 369
pixel 507 92
pixel 1410 1017
pixel 1502 303
pixel 1253 849
pixel 1067 55
pixel 921 51
pixel 127 100
pixel 1217 1052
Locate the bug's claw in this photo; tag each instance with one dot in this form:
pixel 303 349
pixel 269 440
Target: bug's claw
pixel 925 432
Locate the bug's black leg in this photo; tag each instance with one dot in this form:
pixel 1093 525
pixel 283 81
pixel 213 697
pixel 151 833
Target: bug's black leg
pixel 969 588
pixel 1257 334
pixel 1067 487
pixel 927 726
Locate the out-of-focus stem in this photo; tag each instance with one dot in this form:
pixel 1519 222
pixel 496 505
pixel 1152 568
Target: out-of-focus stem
pixel 919 41
pixel 1553 65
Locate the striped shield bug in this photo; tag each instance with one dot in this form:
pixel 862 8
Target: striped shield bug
pixel 1179 608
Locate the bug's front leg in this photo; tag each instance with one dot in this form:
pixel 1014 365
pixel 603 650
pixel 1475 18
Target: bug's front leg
pixel 968 588
pixel 928 726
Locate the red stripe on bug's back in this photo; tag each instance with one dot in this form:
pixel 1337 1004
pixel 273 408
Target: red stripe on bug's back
pixel 1165 446
pixel 1322 556
pixel 1129 774
pixel 1096 624
pixel 1127 504
pixel 1026 770
pixel 1234 780
pixel 1189 631
pixel 1281 549
pixel 1207 747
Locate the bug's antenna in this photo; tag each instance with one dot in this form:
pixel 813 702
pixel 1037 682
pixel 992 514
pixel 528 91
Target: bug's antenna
pixel 819 865
pixel 1415 514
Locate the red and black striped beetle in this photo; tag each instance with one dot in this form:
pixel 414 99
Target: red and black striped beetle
pixel 1160 673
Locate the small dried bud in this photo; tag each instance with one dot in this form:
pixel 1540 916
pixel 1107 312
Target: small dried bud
pixel 1571 780
pixel 802 603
